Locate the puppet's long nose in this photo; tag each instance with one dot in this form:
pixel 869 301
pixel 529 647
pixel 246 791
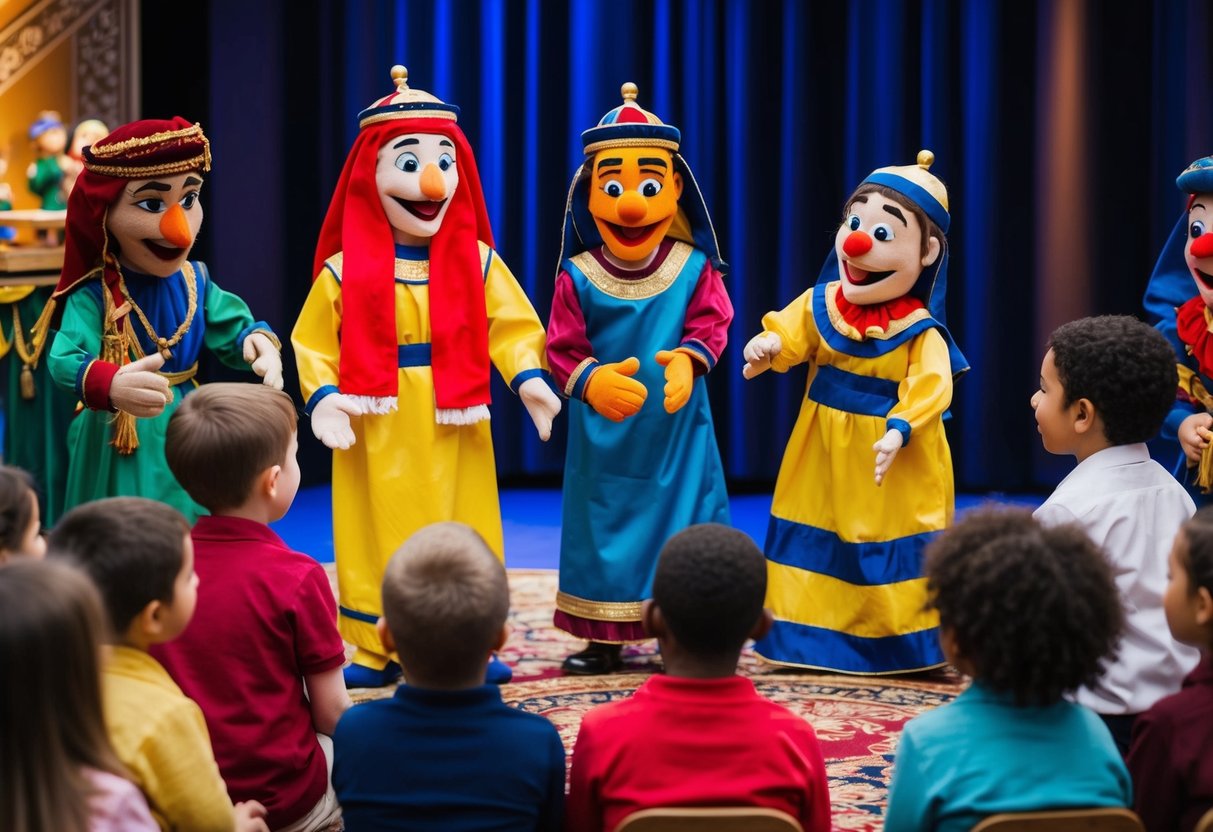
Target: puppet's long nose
pixel 632 207
pixel 1202 246
pixel 175 228
pixel 433 186
pixel 857 244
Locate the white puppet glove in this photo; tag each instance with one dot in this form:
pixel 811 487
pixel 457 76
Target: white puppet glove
pixel 331 420
pixel 886 449
pixel 541 404
pixel 759 352
pixel 139 390
pixel 266 360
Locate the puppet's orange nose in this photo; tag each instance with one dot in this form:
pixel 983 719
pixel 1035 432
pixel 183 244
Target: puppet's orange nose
pixel 175 228
pixel 631 207
pixel 857 244
pixel 1202 246
pixel 432 183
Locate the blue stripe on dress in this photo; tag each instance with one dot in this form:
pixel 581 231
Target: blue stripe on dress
pixel 799 644
pixel 413 355
pixel 852 393
pixel 862 564
pixel 364 617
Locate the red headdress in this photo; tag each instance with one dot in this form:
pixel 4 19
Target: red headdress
pixel 357 226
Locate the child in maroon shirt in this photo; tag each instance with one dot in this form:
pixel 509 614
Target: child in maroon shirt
pixel 1170 757
pixel 700 735
pixel 265 625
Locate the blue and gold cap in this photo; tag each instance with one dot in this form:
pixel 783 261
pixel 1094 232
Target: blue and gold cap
pixel 406 103
pixel 1197 177
pixel 628 125
pixel 917 183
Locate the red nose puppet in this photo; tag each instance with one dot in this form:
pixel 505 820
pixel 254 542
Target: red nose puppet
pixel 858 243
pixel 1202 246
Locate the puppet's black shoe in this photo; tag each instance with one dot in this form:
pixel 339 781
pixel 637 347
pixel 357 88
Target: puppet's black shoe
pixel 594 660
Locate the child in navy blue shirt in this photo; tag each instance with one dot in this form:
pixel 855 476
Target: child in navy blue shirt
pixel 445 753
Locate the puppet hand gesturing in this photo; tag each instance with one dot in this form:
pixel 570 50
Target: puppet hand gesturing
pixel 759 352
pixel 613 392
pixel 139 390
pixel 679 378
pixel 1194 435
pixel 260 352
pixel 886 449
pixel 541 404
pixel 331 420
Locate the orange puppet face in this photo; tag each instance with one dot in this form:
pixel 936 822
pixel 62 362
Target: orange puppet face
pixel 634 195
pixel 154 222
pixel 1198 252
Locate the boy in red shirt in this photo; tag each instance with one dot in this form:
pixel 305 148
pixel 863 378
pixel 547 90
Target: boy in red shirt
pixel 266 620
pixel 700 735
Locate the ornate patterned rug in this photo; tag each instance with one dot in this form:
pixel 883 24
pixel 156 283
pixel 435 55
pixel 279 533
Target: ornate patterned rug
pixel 858 720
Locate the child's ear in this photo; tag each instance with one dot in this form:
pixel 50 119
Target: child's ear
pixel 652 619
pixel 269 480
pixel 501 637
pixel 1084 415
pixel 147 622
pixel 385 636
pixel 1204 607
pixel 763 625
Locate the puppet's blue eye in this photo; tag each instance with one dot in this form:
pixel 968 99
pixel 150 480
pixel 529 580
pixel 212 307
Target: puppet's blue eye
pixel 1196 229
pixel 612 187
pixel 853 222
pixel 445 161
pixel 407 162
pixel 650 187
pixel 883 232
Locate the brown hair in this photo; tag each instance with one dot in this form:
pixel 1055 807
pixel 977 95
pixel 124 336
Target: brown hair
pixel 17 497
pixel 51 722
pixel 445 600
pixel 926 224
pixel 224 435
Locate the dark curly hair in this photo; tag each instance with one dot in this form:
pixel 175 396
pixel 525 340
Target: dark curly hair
pixel 1197 556
pixel 1124 367
pixel 710 585
pixel 1034 609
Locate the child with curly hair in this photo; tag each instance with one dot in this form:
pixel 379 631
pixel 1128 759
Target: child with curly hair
pixel 1106 385
pixel 1169 759
pixel 1030 612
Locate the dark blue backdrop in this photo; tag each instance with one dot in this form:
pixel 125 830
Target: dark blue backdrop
pixel 1058 127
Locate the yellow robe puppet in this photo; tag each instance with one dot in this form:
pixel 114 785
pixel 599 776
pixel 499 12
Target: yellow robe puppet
pixel 410 304
pixel 866 479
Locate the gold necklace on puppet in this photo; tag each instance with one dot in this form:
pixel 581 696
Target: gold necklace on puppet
pixel 163 345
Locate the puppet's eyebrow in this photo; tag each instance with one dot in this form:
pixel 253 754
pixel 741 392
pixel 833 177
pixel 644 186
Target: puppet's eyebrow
pixel 153 186
pixel 895 211
pixel 404 142
pixel 654 162
pixel 191 180
pixel 613 162
pixel 445 143
pixel 1198 205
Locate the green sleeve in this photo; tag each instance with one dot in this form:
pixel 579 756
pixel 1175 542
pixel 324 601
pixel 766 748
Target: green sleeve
pixel 228 323
pixel 78 341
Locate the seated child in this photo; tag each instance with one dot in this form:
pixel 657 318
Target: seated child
pixel 1106 384
pixel 445 753
pixel 699 735
pixel 60 771
pixel 20 523
pixel 1030 612
pixel 262 657
pixel 1170 758
pixel 139 555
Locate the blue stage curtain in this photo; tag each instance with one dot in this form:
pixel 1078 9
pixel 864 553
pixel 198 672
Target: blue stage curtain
pixel 784 107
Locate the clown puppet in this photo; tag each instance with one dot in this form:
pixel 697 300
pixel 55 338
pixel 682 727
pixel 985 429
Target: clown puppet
pixel 867 475
pixel 409 307
pixel 640 315
pixel 136 312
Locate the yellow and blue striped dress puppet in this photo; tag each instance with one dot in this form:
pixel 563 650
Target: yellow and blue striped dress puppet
pixel 639 308
pixel 409 305
pixel 866 479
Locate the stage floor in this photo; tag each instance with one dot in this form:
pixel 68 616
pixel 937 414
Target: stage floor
pixel 531 522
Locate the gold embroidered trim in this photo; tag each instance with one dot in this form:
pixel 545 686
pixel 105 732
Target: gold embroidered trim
pixel 1190 383
pixel 576 374
pixel 598 610
pixel 118 148
pixel 591 149
pixel 1208 320
pixel 403 114
pixel 202 163
pixel 645 287
pixel 414 271
pixel 874 333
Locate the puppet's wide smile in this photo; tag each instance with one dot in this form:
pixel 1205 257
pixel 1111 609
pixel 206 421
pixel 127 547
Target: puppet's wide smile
pixel 1204 277
pixel 423 209
pixel 166 253
pixel 632 235
pixel 858 276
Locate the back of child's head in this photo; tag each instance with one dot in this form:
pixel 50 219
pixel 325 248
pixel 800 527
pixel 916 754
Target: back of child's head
pixel 133 549
pixel 1124 367
pixel 51 722
pixel 445 601
pixel 18 504
pixel 1197 556
pixel 223 435
pixel 1033 609
pixel 710 584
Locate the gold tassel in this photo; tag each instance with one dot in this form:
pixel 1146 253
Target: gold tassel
pixel 126 437
pixel 27 383
pixel 1204 473
pixel 115 348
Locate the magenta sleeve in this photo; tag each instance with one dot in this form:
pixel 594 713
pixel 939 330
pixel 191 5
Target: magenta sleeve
pixel 709 314
pixel 568 344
